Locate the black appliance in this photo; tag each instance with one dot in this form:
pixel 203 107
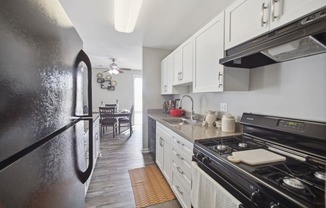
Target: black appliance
pixel 299 181
pixel 42 154
pixel 303 37
pixel 152 137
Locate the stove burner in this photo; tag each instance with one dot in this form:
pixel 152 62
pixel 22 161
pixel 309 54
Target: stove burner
pixel 292 182
pixel 320 175
pixel 242 144
pixel 221 147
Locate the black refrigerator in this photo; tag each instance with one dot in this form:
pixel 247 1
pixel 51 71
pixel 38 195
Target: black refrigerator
pixel 45 99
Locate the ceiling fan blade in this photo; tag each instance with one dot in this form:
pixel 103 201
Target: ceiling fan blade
pixel 106 70
pixel 126 69
pixel 120 71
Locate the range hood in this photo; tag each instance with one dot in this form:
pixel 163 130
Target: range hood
pixel 304 37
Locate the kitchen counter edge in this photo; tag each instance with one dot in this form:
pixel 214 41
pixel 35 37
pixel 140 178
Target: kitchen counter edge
pixel 192 132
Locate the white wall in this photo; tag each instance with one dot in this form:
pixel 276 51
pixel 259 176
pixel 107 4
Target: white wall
pixel 152 98
pixel 123 91
pixel 295 89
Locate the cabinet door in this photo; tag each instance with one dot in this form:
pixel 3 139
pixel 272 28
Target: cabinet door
pixel 159 149
pixel 169 72
pixel 167 161
pixel 244 20
pixel 284 11
pixel 208 49
pixel 96 137
pixel 177 66
pixel 187 62
pixel 164 77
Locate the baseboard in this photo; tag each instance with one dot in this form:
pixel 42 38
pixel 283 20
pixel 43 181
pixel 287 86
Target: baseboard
pixel 145 150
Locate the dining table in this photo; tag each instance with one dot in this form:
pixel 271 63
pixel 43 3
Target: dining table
pixel 118 114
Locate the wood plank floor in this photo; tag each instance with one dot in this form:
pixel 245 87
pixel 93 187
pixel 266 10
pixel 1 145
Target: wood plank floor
pixel 110 185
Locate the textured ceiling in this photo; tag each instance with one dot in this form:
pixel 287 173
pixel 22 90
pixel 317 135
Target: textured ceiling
pixel 161 24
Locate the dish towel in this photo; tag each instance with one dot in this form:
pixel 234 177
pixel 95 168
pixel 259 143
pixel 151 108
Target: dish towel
pixel 206 192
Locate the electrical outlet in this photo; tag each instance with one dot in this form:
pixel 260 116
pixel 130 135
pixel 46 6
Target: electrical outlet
pixel 224 107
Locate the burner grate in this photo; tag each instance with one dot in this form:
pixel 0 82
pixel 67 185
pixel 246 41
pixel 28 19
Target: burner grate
pixel 298 171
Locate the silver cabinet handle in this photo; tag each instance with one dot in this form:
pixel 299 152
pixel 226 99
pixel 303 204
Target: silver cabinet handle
pixel 161 142
pixel 179 75
pixel 273 9
pixel 178 188
pixel 179 156
pixel 179 169
pixel 219 79
pixel 263 7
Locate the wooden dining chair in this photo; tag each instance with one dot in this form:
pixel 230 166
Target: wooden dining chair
pixel 113 105
pixel 107 118
pixel 127 121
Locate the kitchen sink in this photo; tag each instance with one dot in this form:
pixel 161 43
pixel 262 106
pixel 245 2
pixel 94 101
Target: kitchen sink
pixel 179 121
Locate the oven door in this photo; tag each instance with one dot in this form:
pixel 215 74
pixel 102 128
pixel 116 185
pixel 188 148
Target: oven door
pixel 206 192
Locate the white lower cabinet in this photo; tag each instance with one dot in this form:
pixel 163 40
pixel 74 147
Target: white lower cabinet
pixel 163 151
pixel 173 157
pixel 96 148
pixel 182 193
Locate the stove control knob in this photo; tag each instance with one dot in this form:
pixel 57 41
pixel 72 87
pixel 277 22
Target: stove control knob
pixel 205 160
pixel 255 196
pixel 274 205
pixel 199 155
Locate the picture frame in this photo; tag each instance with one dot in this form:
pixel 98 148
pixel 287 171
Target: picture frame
pixel 111 88
pixel 177 103
pixel 100 80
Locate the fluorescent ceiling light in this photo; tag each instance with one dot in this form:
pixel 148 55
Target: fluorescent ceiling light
pixel 126 14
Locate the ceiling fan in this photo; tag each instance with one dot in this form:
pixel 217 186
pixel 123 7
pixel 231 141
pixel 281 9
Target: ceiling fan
pixel 114 69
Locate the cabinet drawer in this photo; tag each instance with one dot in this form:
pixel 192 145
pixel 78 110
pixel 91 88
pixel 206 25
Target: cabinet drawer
pixel 180 173
pixel 182 166
pixel 182 193
pixel 184 145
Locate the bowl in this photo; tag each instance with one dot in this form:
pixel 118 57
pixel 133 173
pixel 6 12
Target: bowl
pixel 176 112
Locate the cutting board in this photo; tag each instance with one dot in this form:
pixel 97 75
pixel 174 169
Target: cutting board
pixel 256 157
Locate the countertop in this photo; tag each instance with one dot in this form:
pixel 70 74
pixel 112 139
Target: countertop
pixel 192 132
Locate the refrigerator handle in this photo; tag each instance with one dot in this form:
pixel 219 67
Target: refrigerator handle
pixel 82 57
pixel 85 175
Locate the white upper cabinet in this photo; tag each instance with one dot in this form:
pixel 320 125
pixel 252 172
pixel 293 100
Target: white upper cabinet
pixel 246 19
pixel 209 75
pixel 167 70
pixel 284 11
pixel 169 75
pixel 177 66
pixel 164 77
pixel 208 49
pixel 183 63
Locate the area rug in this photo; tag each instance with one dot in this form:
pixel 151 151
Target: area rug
pixel 149 186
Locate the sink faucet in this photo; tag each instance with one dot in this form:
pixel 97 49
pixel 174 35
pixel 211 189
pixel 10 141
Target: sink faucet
pixel 192 116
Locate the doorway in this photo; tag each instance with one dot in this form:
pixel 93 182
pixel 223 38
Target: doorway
pixel 138 99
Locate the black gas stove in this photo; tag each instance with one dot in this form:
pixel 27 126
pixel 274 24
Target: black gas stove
pixel 297 181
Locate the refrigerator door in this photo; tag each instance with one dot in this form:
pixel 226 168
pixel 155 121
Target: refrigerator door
pixel 39 46
pixel 49 176
pixel 42 156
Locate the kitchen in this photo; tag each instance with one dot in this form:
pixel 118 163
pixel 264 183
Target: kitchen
pixel 293 89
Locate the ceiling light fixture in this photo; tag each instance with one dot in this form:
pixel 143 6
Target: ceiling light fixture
pixel 126 14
